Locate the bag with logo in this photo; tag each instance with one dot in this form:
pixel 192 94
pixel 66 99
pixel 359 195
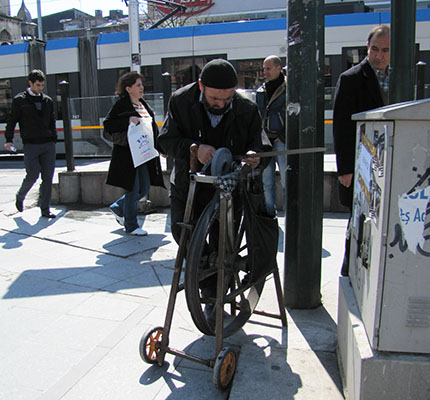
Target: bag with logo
pixel 141 141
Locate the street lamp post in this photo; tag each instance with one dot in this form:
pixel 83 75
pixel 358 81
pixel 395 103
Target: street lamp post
pixel 402 57
pixel 133 31
pixel 305 128
pixel 39 21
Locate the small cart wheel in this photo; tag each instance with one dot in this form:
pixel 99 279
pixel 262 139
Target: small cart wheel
pixel 149 346
pixel 224 368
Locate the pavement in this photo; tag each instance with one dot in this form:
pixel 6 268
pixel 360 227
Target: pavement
pixel 77 294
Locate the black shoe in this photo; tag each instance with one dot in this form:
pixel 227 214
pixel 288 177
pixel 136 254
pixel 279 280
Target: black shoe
pixel 19 204
pixel 48 214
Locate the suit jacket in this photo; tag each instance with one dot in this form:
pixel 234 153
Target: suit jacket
pixel 357 90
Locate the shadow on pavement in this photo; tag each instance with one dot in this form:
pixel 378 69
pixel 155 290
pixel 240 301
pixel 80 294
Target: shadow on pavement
pixel 320 332
pixel 188 379
pixel 12 239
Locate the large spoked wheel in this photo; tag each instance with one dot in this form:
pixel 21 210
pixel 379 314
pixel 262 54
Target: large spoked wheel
pixel 240 296
pixel 149 346
pixel 224 368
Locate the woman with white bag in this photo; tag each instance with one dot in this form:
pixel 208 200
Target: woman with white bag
pixel 135 163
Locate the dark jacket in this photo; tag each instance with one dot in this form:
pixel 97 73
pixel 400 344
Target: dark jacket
pixel 357 90
pixel 36 126
pixel 121 169
pixel 272 111
pixel 185 124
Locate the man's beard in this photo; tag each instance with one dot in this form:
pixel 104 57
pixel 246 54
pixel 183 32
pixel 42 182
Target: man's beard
pixel 214 110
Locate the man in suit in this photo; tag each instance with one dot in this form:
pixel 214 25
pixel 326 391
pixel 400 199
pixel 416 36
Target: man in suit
pixel 360 88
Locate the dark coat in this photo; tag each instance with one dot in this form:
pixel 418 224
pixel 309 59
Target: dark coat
pixel 121 169
pixel 184 125
pixel 272 111
pixel 357 90
pixel 36 126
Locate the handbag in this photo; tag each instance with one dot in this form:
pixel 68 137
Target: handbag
pixel 118 138
pixel 141 141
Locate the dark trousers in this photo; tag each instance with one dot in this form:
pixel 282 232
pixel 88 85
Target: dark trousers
pixel 346 197
pixel 39 159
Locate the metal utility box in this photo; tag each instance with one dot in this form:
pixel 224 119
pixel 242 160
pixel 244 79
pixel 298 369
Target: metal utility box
pixel 389 264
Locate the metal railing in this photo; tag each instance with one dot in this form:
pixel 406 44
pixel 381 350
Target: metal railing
pixel 87 115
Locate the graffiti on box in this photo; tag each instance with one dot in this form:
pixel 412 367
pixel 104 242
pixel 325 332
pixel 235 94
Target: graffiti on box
pixel 413 232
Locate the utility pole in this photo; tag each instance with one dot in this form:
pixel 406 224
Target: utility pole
pixel 39 21
pixel 305 128
pixel 133 32
pixel 402 54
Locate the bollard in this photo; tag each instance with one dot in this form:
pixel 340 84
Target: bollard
pixel 419 79
pixel 68 141
pixel 167 92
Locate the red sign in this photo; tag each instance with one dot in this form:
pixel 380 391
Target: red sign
pixel 193 6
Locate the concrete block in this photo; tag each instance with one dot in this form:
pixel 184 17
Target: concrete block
pixel 160 196
pixel 69 187
pixel 111 193
pixel 92 187
pixel 88 187
pixel 369 374
pixel 55 193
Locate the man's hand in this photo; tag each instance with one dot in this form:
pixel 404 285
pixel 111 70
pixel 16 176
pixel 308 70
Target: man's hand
pixel 345 180
pixel 205 153
pixel 9 146
pixel 252 162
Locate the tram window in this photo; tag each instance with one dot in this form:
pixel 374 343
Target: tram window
pixel 327 71
pixel 352 56
pixel 185 70
pixel 148 78
pixel 250 73
pixel 121 72
pixel 5 98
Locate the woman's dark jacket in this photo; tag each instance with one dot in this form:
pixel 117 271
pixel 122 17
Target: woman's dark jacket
pixel 186 123
pixel 121 169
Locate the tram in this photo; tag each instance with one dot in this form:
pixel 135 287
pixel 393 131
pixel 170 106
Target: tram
pixel 93 64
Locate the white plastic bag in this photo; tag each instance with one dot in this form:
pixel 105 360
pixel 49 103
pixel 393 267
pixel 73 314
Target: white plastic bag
pixel 141 141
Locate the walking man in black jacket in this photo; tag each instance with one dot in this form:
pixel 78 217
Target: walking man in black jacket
pixel 34 112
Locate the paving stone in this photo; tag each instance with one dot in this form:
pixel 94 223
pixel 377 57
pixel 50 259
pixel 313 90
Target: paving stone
pixel 77 295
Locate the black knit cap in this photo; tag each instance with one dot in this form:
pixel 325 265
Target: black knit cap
pixel 219 74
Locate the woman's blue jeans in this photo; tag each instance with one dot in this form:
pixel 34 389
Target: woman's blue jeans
pixel 269 176
pixel 126 205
